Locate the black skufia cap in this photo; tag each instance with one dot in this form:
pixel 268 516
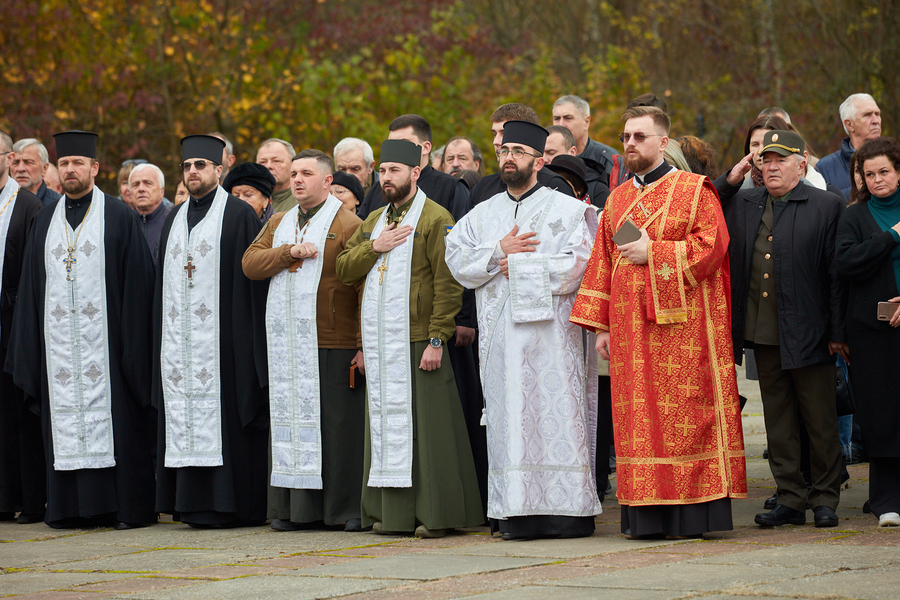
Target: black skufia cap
pixel 76 143
pixel 401 151
pixel 525 133
pixel 202 146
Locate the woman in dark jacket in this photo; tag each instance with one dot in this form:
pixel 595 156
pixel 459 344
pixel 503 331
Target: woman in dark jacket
pixel 868 257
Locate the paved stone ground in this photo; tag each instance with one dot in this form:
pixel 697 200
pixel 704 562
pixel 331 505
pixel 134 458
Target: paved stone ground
pixel 171 561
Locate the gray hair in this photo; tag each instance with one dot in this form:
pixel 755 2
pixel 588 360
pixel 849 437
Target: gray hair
pixel 580 104
pixel 27 143
pixel 848 108
pixel 287 145
pixel 229 147
pixel 438 153
pixel 350 143
pixel 145 166
pixel 775 111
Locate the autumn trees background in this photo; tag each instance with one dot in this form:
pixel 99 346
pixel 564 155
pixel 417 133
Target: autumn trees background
pixel 145 73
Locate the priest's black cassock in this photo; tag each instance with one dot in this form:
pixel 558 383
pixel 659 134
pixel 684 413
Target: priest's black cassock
pixel 123 493
pixel 492 185
pixel 234 493
pixel 23 485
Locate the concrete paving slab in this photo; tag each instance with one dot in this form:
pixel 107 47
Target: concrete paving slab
pixel 563 549
pixel 26 582
pixel 879 583
pixel 49 554
pixel 269 587
pixel 823 557
pixel 142 583
pixel 11 531
pixel 543 592
pixel 422 567
pixel 691 577
pixel 165 560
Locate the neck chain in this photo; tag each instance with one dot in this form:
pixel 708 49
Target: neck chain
pixel 387 223
pixel 301 231
pixel 8 202
pixel 70 248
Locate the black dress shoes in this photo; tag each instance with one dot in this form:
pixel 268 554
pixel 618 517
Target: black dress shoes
pixel 772 502
pixel 782 515
pixel 353 525
pixel 825 516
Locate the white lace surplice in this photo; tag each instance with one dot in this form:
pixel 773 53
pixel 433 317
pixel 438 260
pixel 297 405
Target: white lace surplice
pixel 538 369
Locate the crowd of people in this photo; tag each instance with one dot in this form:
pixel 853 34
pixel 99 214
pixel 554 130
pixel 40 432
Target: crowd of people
pixel 307 340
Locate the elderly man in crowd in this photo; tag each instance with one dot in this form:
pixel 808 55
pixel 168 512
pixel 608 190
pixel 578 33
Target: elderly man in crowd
pixel 788 305
pixel 148 184
pixel 276 155
pixel 461 154
pixel 355 157
pixel 861 118
pixel 29 167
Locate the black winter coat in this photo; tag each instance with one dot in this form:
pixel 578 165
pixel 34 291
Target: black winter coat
pixel 811 299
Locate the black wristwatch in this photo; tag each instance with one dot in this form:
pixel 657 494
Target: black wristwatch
pixel 436 342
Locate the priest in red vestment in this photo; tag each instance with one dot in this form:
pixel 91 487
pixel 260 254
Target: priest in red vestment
pixel 659 304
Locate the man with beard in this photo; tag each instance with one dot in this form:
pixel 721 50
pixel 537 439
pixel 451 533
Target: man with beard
pixel 452 194
pixel 79 347
pixel 316 411
pixel 492 185
pixel 209 354
pixel 524 252
pixel 418 466
pixel 23 486
pixel 659 307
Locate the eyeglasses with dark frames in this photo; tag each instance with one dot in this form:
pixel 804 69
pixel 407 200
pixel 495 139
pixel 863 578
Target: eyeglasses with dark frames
pixel 198 164
pixel 638 137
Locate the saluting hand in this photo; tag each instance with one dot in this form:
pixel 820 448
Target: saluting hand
pixel 512 243
pixel 391 237
pixel 736 175
pixel 304 250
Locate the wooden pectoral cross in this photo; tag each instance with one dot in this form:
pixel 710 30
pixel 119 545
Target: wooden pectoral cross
pixel 190 268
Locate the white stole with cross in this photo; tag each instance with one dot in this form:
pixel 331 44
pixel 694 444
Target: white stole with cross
pixel 190 353
pixel 385 337
pixel 7 203
pixel 76 340
pixel 292 341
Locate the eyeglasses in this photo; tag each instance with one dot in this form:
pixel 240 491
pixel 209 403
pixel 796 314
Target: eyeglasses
pixel 198 164
pixel 638 137
pixel 134 161
pixel 516 153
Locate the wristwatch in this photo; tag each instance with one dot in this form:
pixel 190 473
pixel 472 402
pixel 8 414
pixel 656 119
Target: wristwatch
pixel 436 342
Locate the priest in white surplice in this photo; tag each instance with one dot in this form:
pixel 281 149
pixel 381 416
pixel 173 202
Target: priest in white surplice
pixel 209 354
pixel 524 252
pixel 79 344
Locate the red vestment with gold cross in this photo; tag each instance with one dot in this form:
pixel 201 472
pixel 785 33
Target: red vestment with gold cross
pixel 676 412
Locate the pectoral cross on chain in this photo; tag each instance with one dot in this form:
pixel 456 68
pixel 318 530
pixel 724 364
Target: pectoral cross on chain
pixel 190 268
pixel 381 271
pixel 69 260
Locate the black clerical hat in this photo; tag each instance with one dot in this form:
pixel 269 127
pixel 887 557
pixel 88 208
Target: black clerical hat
pixel 76 143
pixel 252 174
pixel 525 133
pixel 350 182
pixel 202 146
pixel 401 151
pixel 572 165
pixel 784 143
